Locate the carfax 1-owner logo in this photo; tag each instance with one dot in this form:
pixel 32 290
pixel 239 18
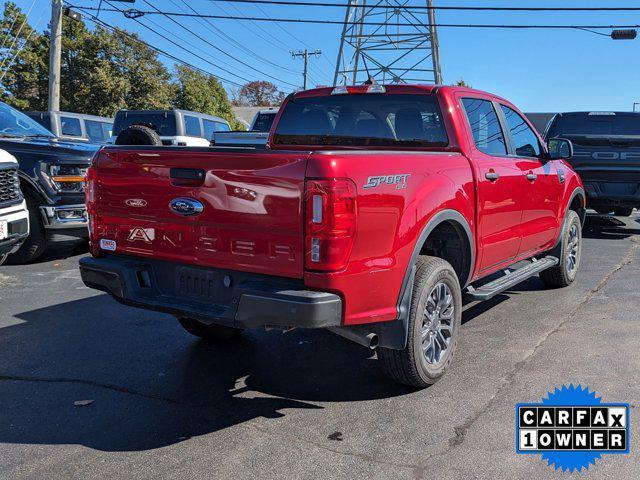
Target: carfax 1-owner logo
pixel 572 428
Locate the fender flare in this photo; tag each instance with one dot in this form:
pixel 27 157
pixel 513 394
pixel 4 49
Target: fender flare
pixel 576 191
pixel 394 334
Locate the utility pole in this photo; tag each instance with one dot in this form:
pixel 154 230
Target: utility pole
pixel 403 50
pixel 306 54
pixel 55 54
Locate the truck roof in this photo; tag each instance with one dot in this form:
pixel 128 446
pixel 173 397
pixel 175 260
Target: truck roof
pixel 398 89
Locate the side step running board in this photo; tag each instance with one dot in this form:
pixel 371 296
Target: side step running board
pixel 510 279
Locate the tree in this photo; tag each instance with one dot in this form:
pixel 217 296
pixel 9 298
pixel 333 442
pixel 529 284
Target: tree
pixel 24 57
pixel 259 94
pixel 462 83
pixel 203 93
pixel 102 71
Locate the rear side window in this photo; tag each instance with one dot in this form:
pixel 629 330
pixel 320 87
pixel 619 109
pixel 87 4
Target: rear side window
pixel 95 131
pixel 70 126
pixel 192 126
pixel 485 126
pixel 524 140
pixel 211 126
pixel 163 123
pixel 362 120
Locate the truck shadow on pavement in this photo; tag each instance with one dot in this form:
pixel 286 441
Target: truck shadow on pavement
pixel 608 228
pixel 152 385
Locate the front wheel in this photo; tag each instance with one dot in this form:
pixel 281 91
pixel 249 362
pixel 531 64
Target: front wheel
pixel 209 333
pixel 570 250
pixel 434 325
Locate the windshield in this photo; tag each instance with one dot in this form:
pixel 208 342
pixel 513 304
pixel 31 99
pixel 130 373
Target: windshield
pixel 362 120
pixel 595 124
pixel 15 123
pixel 163 123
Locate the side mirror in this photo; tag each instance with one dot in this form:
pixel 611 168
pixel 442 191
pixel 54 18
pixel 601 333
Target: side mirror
pixel 560 149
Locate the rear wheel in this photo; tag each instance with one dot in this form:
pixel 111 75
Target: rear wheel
pixel 209 332
pixel 36 243
pixel 569 252
pixel 623 212
pixel 434 324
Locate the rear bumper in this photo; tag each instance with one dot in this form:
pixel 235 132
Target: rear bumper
pixel 614 194
pixel 17 218
pixel 212 296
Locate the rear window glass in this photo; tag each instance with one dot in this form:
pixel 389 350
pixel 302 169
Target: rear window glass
pixel 263 122
pixel 164 124
pixel 595 124
pixel 70 126
pixel 362 120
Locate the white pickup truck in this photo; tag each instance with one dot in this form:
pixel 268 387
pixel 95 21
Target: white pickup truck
pixel 255 137
pixel 14 217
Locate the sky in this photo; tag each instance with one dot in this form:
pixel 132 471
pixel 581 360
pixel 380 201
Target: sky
pixel 538 70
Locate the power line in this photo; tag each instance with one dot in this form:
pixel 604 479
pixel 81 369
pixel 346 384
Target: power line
pixel 442 7
pixel 158 50
pixel 186 50
pixel 220 50
pixel 139 13
pixel 234 42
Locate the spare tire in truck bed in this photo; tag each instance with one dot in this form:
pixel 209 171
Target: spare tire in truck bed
pixel 138 135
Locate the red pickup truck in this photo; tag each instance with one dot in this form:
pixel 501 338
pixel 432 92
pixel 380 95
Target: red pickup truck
pixel 372 211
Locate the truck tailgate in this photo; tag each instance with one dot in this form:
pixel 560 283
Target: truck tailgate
pixel 251 218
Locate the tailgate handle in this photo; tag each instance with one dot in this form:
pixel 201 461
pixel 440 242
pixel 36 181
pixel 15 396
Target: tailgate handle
pixel 187 177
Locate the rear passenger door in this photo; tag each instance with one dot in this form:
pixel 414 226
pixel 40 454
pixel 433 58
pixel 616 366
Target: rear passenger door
pixel 542 186
pixel 500 184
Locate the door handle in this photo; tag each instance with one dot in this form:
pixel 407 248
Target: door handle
pixel 531 176
pixel 492 176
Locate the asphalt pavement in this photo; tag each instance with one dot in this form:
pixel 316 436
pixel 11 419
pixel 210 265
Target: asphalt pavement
pixel 93 389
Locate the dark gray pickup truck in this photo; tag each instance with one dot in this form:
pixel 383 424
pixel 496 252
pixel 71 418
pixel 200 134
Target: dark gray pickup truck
pixel 606 154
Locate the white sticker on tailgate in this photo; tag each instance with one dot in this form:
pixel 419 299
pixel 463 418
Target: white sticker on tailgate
pixel 4 229
pixel 109 245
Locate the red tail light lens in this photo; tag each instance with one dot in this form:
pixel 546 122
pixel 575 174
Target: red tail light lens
pixel 331 218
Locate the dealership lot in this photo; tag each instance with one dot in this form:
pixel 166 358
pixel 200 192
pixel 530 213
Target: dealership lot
pixel 302 404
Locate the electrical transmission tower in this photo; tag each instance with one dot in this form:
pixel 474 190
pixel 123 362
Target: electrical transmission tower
pixel 389 42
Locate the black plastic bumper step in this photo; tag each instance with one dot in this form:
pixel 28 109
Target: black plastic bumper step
pixel 511 278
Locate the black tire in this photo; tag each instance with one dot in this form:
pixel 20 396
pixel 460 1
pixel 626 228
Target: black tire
pixel 138 135
pixel 623 211
pixel 210 333
pixel 563 274
pixel 36 243
pixel 411 365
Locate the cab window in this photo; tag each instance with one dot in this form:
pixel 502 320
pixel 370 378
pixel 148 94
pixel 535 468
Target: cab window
pixel 70 126
pixel 192 126
pixel 485 126
pixel 524 139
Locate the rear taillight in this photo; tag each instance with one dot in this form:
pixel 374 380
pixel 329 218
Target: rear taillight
pixel 330 216
pixel 90 200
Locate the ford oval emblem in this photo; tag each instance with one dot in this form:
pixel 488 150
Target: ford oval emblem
pixel 186 206
pixel 136 202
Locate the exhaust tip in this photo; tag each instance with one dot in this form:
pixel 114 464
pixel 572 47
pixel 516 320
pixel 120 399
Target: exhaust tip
pixel 373 341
